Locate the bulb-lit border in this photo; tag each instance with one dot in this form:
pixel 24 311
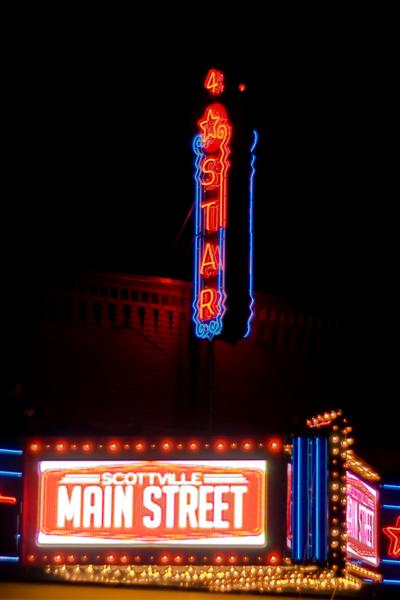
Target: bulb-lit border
pixel 263 448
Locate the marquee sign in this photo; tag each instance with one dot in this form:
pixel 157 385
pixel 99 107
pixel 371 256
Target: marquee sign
pixel 362 516
pixel 133 503
pixel 138 501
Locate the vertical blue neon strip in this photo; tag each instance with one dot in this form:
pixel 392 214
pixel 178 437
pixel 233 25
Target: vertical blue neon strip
pixel 310 498
pixel 321 507
pixel 299 512
pixel 300 497
pixel 317 490
pixel 251 232
pixel 198 151
pixel 213 327
pixel 324 495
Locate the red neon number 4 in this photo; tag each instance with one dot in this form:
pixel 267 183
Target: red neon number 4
pixel 214 82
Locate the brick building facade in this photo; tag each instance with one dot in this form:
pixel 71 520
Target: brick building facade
pixel 117 353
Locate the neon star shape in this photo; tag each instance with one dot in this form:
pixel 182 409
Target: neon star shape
pixel 393 534
pixel 208 126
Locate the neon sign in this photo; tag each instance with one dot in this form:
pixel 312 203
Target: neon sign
pixel 224 197
pixel 361 518
pixel 131 503
pixel 8 500
pixel 214 82
pixel 393 533
pixel 211 147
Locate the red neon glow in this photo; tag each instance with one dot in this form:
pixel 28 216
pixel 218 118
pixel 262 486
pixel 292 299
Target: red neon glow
pixel 214 82
pixel 361 520
pixel 209 126
pixel 209 261
pixel 152 502
pixel 215 132
pixel 211 213
pixel 393 533
pixel 8 500
pixel 211 173
pixel 242 87
pixel 208 306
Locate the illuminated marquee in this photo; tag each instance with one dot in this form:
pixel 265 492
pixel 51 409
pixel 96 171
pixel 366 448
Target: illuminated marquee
pixel 133 503
pixel 361 517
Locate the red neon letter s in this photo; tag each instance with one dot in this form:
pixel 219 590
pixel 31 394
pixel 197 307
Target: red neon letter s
pixel 211 170
pixel 208 304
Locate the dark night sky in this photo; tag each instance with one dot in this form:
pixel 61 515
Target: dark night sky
pixel 98 165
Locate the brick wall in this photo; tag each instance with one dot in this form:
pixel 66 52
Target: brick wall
pixel 116 352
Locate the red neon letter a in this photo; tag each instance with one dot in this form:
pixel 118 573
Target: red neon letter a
pixel 209 261
pixel 208 304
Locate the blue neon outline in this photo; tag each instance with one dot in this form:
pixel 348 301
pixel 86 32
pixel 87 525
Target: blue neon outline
pixel 10 451
pixel 251 233
pixel 310 498
pixel 213 327
pixel 391 506
pixel 391 581
pixel 390 561
pixel 10 474
pixel 317 500
pixel 9 558
pixel 389 486
pixel 197 149
pixel 299 530
pixel 325 488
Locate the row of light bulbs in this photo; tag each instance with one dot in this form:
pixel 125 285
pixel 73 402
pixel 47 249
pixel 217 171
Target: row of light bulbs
pixel 222 579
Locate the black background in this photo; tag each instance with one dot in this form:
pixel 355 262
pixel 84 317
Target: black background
pixel 98 116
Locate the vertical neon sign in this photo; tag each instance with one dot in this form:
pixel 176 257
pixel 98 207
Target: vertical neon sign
pixel 212 148
pixel 223 285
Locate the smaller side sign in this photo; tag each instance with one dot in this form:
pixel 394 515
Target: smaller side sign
pixel 362 520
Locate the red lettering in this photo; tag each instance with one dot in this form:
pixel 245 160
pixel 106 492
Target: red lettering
pixel 209 262
pixel 208 308
pixel 211 169
pixel 211 215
